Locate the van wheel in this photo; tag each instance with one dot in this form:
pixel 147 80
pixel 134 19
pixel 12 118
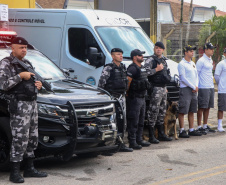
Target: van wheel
pixel 5 143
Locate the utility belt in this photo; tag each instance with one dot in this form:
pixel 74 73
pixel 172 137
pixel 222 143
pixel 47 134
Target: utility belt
pixel 14 98
pixel 158 85
pixel 136 95
pixel 21 97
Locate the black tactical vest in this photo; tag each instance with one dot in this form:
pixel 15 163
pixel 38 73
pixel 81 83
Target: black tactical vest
pixel 26 88
pixel 117 82
pixel 139 84
pixel 161 78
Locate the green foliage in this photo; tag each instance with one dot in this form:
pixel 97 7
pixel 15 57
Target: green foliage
pixel 169 49
pixel 217 24
pixel 214 7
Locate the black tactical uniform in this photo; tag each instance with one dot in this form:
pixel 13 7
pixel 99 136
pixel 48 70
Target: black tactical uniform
pixel 136 105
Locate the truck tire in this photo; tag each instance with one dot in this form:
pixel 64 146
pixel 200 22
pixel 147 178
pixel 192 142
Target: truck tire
pixel 5 143
pixel 88 155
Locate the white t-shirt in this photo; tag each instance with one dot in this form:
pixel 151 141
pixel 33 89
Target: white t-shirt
pixel 221 72
pixel 205 72
pixel 188 74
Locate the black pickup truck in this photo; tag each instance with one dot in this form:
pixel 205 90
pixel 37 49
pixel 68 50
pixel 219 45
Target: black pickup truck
pixel 76 118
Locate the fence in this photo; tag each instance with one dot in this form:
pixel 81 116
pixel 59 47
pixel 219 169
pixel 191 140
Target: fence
pixel 174 44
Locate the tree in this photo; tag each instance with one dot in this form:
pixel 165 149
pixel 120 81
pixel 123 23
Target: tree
pixel 217 24
pixel 214 7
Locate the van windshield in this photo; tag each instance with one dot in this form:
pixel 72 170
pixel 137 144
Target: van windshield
pixel 126 38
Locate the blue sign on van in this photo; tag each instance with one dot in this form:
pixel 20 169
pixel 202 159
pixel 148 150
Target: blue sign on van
pixel 91 80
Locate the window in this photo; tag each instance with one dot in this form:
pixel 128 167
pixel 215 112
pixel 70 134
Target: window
pixel 83 46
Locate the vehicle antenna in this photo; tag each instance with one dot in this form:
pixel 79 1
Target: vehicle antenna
pixel 93 10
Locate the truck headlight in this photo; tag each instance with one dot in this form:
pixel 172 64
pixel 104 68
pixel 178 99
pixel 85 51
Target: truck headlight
pixel 50 110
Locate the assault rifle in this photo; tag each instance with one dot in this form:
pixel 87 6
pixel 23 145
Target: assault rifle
pixel 37 77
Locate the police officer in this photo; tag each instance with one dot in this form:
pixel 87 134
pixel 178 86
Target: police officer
pixel 159 76
pixel 138 84
pixel 114 80
pixel 19 85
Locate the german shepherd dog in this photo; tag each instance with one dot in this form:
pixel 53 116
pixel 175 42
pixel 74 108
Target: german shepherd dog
pixel 171 118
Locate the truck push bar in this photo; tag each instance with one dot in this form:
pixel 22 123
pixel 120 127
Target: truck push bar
pixel 73 121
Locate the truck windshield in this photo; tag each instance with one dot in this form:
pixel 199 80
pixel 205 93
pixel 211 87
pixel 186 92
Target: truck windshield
pixel 126 38
pixel 43 66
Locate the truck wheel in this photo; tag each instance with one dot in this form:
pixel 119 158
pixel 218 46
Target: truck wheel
pixel 88 155
pixel 5 143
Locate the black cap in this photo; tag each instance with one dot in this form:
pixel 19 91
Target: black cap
pixel 19 40
pixel 209 46
pixel 160 44
pixel 188 48
pixel 136 52
pixel 225 50
pixel 116 50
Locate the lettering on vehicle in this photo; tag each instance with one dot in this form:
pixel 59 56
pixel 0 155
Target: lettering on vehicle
pixel 27 20
pixel 121 21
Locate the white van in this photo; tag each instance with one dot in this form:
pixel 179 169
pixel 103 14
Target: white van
pixel 81 40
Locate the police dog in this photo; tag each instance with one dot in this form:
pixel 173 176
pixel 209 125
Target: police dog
pixel 171 118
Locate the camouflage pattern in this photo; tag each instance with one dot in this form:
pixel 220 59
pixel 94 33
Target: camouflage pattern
pixel 104 76
pixel 157 106
pixel 24 123
pixel 24 127
pixel 8 75
pixel 148 66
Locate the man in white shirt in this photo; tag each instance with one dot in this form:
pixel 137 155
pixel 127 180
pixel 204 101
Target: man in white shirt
pixel 206 87
pixel 188 92
pixel 220 78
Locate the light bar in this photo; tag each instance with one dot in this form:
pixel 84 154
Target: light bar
pixel 7 36
pixel 8 33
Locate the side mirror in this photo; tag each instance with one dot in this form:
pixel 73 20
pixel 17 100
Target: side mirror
pixel 94 57
pixel 68 71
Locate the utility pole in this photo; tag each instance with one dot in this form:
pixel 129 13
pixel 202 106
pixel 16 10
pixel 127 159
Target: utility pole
pixel 96 4
pixel 189 24
pixel 181 28
pixel 153 20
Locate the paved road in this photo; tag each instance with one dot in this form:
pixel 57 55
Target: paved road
pixel 197 160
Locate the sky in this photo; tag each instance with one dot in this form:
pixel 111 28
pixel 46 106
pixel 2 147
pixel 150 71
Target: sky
pixel 220 4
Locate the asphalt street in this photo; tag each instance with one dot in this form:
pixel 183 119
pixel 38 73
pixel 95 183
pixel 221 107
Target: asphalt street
pixel 197 160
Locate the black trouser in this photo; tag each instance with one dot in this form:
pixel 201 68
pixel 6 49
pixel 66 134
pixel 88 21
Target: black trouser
pixel 135 118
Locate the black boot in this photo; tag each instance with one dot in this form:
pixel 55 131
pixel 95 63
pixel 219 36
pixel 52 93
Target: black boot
pixel 143 143
pixel 30 171
pixel 139 135
pixel 124 148
pixel 161 135
pixel 152 138
pixel 133 144
pixel 15 173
